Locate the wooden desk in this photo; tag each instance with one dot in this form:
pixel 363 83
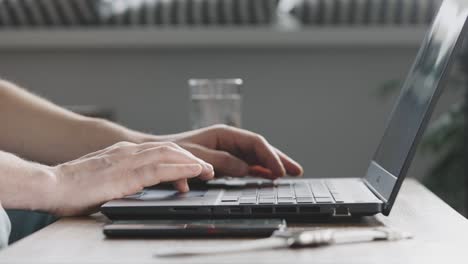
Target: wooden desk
pixel 441 235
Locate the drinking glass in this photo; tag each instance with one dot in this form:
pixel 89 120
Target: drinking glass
pixel 215 101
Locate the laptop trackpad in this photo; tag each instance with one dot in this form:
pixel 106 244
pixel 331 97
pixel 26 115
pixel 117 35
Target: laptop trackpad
pixel 166 195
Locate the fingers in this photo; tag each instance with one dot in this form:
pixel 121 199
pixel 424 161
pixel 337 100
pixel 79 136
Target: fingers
pixel 182 185
pixel 153 163
pixel 259 171
pixel 124 169
pixel 256 150
pixel 251 147
pixel 170 155
pixel 152 174
pixel 268 157
pixel 224 163
pixel 292 167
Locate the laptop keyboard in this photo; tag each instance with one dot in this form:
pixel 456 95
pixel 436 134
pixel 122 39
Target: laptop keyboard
pixel 313 191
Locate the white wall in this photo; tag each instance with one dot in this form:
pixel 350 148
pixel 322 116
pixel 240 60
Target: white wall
pixel 320 104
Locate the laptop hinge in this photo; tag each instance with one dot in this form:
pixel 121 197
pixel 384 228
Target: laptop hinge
pixel 374 191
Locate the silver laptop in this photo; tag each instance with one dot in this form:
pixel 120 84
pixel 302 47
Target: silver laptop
pixel 370 194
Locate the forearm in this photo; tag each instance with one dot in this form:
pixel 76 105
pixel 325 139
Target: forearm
pixel 38 130
pixel 25 185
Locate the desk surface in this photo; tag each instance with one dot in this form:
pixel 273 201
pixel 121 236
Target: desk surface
pixel 440 234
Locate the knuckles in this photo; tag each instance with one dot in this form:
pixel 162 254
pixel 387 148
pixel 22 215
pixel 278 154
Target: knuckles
pixel 165 149
pixel 102 162
pixel 223 128
pixel 159 144
pixel 259 138
pixel 220 127
pixel 120 147
pixel 224 157
pixel 170 144
pixel 123 144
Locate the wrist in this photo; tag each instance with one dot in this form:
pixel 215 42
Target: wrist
pixel 44 189
pixel 34 189
pixel 139 137
pixel 115 133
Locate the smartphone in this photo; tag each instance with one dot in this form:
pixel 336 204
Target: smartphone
pixel 194 228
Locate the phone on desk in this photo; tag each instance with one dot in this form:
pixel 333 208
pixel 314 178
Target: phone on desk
pixel 194 228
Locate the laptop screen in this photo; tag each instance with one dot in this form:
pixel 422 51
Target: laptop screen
pixel 417 98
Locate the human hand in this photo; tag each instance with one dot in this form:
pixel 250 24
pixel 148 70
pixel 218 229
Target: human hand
pixel 120 170
pixel 236 152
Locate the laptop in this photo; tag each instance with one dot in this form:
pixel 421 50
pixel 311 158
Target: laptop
pixel 375 192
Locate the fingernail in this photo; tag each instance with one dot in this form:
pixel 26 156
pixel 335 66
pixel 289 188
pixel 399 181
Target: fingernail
pixel 196 168
pixel 209 166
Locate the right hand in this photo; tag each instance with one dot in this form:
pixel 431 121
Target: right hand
pixel 125 168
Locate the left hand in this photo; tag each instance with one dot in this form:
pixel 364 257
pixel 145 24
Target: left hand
pixel 236 152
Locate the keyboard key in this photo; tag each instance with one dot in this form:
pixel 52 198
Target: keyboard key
pixel 302 190
pixel 285 191
pixel 232 193
pixel 300 184
pixel 249 192
pixel 323 200
pixel 229 199
pixel 338 198
pixel 244 200
pixel 332 188
pixel 319 189
pixel 305 200
pixel 266 200
pixel 283 200
pixel 267 190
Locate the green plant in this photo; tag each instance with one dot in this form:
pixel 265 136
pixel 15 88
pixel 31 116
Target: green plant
pixel 445 139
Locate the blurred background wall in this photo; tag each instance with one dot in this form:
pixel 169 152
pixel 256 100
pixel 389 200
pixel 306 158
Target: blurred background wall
pixel 313 69
pixel 320 104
